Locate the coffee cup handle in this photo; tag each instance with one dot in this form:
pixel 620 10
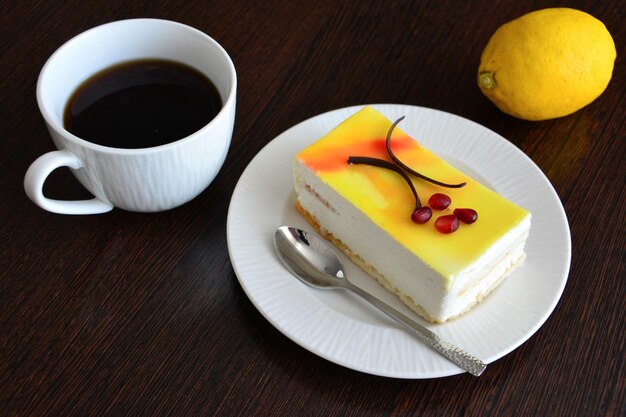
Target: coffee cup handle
pixel 36 176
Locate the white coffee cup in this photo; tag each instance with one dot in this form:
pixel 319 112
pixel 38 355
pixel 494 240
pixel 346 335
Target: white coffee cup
pixel 147 179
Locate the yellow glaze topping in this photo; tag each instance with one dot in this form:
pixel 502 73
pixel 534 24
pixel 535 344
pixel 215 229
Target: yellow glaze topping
pixel 386 199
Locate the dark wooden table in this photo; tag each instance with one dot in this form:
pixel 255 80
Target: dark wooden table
pixel 141 314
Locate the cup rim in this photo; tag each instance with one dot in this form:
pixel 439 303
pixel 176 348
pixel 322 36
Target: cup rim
pixel 60 129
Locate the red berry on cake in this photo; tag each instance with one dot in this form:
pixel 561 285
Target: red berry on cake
pixel 447 224
pixel 466 215
pixel 439 201
pixel 421 215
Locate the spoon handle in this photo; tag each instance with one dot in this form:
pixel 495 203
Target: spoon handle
pixel 463 359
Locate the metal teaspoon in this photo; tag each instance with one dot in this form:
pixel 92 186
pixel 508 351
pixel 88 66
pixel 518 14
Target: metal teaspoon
pixel 312 261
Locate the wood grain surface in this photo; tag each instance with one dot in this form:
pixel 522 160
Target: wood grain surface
pixel 129 314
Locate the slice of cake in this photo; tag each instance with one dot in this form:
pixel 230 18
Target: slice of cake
pixel 366 211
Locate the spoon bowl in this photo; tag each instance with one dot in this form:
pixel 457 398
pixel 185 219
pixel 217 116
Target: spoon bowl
pixel 313 262
pixel 308 258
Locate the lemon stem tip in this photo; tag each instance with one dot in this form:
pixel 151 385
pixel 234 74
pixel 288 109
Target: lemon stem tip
pixel 487 79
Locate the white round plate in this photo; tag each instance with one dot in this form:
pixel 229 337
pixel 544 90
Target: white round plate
pixel 338 326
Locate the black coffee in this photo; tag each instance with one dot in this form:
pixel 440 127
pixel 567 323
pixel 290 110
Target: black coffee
pixel 140 104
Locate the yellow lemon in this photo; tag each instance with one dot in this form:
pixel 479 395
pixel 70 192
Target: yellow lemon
pixel 546 64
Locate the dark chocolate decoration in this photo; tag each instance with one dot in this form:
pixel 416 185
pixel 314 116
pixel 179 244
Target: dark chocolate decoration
pixel 381 163
pixel 408 169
